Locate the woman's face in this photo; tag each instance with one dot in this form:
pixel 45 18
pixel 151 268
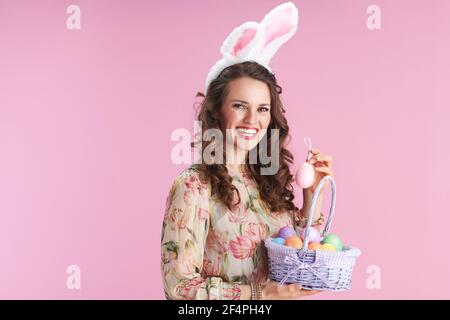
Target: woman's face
pixel 245 113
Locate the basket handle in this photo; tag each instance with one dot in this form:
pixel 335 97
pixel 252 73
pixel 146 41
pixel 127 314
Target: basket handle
pixel 313 204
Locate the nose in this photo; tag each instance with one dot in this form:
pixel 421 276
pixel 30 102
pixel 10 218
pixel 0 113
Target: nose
pixel 251 116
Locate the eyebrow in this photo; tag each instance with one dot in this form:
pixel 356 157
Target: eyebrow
pixel 245 102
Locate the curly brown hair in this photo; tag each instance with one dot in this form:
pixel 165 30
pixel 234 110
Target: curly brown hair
pixel 276 189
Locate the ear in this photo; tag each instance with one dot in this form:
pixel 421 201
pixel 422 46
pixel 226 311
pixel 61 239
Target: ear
pixel 277 27
pixel 241 41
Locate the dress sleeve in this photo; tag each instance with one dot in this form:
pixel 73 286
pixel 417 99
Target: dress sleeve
pixel 185 227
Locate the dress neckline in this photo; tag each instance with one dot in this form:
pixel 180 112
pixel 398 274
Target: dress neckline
pixel 234 170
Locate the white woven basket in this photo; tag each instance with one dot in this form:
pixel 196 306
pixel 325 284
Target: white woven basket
pixel 313 270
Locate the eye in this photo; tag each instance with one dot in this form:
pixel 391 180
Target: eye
pixel 263 109
pixel 239 106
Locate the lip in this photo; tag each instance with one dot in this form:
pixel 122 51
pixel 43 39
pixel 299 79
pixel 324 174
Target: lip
pixel 251 128
pixel 245 136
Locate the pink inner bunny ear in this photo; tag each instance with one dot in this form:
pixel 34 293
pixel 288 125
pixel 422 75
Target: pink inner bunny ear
pixel 279 25
pixel 244 40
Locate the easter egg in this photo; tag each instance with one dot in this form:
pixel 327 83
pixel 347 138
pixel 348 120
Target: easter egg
pixel 314 246
pixel 278 240
pixel 334 240
pixel 305 175
pixel 286 232
pixel 294 242
pixel 314 235
pixel 328 247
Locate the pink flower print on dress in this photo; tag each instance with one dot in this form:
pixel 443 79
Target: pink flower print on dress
pixel 243 247
pixel 212 267
pixel 217 241
pixel 188 256
pixel 183 218
pixel 190 182
pixel 173 217
pixel 231 293
pixel 256 231
pixel 203 214
pixel 188 289
pixel 193 183
pixel 238 214
pixel 169 261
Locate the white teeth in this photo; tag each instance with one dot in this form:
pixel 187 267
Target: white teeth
pixel 247 131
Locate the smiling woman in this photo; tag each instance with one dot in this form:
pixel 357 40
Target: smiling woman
pixel 219 213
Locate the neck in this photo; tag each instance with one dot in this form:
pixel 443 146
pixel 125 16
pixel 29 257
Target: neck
pixel 236 167
pixel 236 159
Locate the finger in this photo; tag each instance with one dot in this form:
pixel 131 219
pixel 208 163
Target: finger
pixel 325 170
pixel 310 292
pixel 324 158
pixel 291 290
pixel 294 290
pixel 318 164
pixel 315 151
pixel 305 293
pixel 294 287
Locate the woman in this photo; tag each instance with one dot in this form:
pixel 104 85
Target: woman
pixel 217 215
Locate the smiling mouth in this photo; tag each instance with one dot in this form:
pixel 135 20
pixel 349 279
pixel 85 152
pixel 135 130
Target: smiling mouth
pixel 247 133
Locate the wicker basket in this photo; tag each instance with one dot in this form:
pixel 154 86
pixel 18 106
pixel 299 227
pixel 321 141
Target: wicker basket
pixel 313 270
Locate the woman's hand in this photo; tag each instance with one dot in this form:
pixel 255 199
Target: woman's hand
pixel 273 291
pixel 322 164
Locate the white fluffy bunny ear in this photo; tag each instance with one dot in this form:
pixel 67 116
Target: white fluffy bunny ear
pixel 241 41
pixel 257 41
pixel 277 27
pixel 239 44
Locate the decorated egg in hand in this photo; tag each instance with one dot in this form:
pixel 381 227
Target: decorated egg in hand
pixel 314 234
pixel 294 242
pixel 278 240
pixel 305 175
pixel 286 232
pixel 334 240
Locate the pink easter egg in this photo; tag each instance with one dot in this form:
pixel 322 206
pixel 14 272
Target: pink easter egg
pixel 314 235
pixel 305 175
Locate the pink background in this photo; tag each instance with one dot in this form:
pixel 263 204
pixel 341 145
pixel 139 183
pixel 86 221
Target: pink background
pixel 86 117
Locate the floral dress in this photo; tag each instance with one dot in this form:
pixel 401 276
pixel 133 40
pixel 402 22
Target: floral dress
pixel 208 250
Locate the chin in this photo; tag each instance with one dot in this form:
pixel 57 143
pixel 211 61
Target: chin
pixel 247 145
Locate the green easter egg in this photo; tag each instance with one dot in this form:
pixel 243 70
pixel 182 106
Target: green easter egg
pixel 334 240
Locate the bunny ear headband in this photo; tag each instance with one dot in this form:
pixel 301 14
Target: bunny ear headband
pixel 253 41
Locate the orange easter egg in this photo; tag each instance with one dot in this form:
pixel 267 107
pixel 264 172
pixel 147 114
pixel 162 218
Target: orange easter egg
pixel 328 247
pixel 314 246
pixel 294 242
